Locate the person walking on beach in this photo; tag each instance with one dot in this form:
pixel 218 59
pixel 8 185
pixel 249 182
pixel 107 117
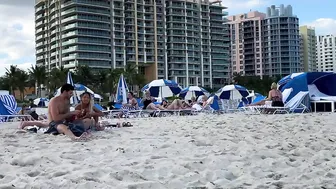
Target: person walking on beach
pixel 60 117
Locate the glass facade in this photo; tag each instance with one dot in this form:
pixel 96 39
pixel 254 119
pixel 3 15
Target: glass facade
pixel 186 41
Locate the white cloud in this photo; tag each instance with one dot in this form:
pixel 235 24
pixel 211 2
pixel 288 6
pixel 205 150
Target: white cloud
pixel 17 45
pixel 323 26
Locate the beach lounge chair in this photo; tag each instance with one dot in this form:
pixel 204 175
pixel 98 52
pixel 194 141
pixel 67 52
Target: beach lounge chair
pixel 8 108
pixel 297 104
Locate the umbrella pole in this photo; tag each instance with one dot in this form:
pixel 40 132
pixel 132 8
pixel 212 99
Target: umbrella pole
pixel 161 93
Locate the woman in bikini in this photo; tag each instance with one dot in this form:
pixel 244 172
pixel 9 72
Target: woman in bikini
pixel 274 95
pixel 175 105
pixel 89 113
pixel 148 102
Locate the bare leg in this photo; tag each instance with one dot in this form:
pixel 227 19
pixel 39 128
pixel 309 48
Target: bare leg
pixel 87 123
pixel 32 123
pixel 152 106
pixel 160 107
pixel 262 102
pixel 63 129
pixel 175 105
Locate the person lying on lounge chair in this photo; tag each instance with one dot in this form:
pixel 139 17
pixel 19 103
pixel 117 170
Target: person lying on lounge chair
pixel 274 95
pixel 175 105
pixel 148 102
pixel 130 106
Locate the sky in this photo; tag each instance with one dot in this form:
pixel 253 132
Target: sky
pixel 17 33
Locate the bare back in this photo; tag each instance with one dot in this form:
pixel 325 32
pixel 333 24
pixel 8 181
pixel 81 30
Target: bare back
pixel 59 103
pixel 276 95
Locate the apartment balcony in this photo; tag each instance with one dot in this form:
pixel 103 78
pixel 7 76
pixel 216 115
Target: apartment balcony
pixel 39 18
pixel 83 10
pixel 70 57
pixel 69 34
pixel 54 53
pixel 39 37
pixel 40 44
pixel 69 50
pixel 39 24
pixel 86 3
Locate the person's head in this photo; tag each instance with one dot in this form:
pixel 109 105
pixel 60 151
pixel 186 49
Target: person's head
pixel 204 98
pixel 147 93
pixel 164 102
pixel 85 98
pixel 130 95
pixel 67 90
pixel 274 86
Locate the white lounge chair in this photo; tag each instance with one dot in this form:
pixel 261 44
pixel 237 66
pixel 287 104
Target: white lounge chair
pixel 295 104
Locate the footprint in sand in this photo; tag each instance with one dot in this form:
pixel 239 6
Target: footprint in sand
pixel 33 174
pixel 60 173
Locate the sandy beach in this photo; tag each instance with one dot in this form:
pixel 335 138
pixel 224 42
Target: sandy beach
pixel 204 151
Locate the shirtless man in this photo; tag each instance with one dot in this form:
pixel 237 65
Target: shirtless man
pixel 59 114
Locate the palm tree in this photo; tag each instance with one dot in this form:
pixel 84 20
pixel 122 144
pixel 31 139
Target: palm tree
pixel 57 77
pixel 112 79
pixel 130 72
pixel 4 83
pixel 11 76
pixel 100 80
pixel 84 75
pixel 22 78
pixel 139 80
pixel 38 74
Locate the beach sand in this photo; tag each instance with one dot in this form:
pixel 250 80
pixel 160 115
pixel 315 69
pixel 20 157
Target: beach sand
pixel 204 151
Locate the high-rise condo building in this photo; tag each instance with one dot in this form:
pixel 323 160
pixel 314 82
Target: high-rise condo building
pixel 326 53
pixel 246 43
pixel 186 41
pixel 309 48
pixel 281 41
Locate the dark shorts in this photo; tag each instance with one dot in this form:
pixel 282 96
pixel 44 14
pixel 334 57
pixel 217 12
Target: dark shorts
pixel 77 128
pixel 277 104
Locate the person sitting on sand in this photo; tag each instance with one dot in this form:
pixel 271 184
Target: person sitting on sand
pixel 148 102
pixel 88 112
pixel 274 95
pixel 60 114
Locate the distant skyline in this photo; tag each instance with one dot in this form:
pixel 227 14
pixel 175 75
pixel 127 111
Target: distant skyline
pixel 17 44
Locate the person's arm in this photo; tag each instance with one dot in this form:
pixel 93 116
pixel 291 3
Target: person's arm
pixel 78 107
pixel 269 95
pixel 134 103
pixel 55 113
pixel 96 112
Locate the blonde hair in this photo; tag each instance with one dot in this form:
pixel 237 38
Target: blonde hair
pixel 274 86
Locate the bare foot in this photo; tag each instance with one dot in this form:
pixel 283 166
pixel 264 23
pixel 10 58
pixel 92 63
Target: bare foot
pixel 22 125
pixel 83 138
pixel 20 131
pixel 100 127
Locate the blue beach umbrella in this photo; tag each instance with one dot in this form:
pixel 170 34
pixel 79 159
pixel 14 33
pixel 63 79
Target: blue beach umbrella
pixel 193 91
pixel 232 92
pixel 288 78
pixel 74 99
pixel 162 88
pixel 122 90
